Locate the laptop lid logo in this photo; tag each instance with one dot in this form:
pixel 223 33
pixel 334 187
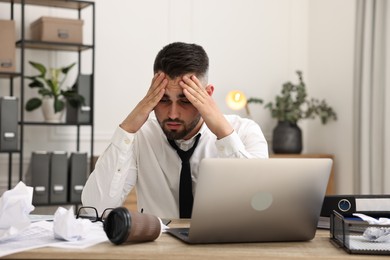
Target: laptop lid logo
pixel 261 201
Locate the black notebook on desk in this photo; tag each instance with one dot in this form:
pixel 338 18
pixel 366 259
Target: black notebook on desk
pixel 256 200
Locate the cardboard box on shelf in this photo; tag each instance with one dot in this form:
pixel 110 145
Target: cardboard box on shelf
pixel 53 29
pixel 7 46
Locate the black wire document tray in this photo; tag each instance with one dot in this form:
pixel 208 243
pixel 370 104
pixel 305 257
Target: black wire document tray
pixel 348 232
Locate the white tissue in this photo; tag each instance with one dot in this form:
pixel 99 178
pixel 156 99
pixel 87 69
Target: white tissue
pixel 15 206
pixel 67 227
pixel 375 234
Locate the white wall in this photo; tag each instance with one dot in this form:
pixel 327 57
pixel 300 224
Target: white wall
pixel 330 76
pixel 253 45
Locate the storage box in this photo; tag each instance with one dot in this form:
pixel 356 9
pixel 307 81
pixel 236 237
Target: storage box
pixel 52 29
pixel 7 45
pixel 349 233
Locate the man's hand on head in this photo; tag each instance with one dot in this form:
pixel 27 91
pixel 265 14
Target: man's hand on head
pixel 201 99
pixel 135 120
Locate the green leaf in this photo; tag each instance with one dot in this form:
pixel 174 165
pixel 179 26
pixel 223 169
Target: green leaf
pixel 33 103
pixel 32 77
pixel 39 67
pixel 69 93
pixel 45 92
pixel 36 84
pixel 255 100
pixel 58 105
pixel 74 99
pixel 65 70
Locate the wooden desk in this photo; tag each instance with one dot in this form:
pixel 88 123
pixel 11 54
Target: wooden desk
pixel 167 247
pixel 330 190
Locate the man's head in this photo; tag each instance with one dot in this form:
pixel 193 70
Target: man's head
pixel 178 118
pixel 178 58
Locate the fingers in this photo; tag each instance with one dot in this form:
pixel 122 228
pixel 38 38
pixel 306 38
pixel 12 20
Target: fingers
pixel 193 90
pixel 159 81
pixel 201 99
pixel 157 88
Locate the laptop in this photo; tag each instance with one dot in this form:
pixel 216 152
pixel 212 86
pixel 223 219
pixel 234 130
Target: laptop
pixel 256 200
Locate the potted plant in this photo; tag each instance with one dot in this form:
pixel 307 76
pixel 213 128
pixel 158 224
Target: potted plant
pixel 289 107
pixel 53 96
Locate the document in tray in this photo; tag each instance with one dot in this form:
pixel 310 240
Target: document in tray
pixel 360 243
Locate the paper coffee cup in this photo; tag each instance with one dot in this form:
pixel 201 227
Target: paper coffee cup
pixel 122 226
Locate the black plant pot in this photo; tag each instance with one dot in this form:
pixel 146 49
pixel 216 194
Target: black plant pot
pixel 287 138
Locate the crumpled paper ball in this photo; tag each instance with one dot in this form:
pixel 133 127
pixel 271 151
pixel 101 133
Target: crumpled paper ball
pixel 67 227
pixel 15 207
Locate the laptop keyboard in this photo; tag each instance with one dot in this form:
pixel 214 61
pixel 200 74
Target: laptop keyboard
pixel 184 233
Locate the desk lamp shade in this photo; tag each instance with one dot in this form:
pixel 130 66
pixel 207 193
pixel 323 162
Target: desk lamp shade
pixel 236 100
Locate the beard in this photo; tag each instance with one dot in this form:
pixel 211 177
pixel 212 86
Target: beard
pixel 175 134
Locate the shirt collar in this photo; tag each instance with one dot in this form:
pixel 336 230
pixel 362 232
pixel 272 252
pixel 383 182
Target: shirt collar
pixel 187 144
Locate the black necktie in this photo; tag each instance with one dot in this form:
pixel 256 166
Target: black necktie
pixel 186 199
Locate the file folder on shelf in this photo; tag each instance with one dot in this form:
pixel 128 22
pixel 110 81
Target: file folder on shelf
pixel 77 175
pixel 40 174
pixel 8 124
pixel 59 177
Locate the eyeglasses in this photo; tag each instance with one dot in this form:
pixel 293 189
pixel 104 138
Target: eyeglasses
pixel 91 213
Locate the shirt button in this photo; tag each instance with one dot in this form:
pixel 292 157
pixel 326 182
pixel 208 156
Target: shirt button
pixel 127 141
pixel 221 148
pixel 119 170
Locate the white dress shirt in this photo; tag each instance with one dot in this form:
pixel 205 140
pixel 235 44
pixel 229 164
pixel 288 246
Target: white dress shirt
pixel 146 160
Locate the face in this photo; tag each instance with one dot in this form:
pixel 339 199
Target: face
pixel 178 118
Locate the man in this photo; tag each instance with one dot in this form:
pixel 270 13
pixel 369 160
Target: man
pixel 143 151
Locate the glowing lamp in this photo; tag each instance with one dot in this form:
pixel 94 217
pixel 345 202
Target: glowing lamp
pixel 236 100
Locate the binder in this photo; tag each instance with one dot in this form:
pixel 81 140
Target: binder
pixel 77 175
pixel 8 124
pixel 40 169
pixel 82 114
pixel 373 205
pixel 58 177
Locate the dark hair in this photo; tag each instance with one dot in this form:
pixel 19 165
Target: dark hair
pixel 178 58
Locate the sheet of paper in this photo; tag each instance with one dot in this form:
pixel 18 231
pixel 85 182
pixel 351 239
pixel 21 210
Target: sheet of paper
pixel 40 234
pixel 37 235
pixel 36 217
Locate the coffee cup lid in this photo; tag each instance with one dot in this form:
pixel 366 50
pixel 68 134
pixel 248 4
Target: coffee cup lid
pixel 117 225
